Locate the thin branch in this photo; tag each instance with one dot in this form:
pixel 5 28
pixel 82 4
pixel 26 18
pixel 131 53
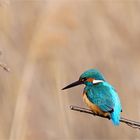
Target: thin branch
pixel 130 123
pixel 4 67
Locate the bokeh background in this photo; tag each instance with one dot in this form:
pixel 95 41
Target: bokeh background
pixel 47 44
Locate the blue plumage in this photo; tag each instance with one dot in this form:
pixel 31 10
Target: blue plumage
pixel 93 73
pixel 99 95
pixel 103 95
pixel 106 98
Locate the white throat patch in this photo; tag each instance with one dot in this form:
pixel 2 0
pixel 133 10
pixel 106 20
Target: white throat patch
pixel 97 81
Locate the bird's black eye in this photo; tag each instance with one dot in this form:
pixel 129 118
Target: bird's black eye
pixel 83 79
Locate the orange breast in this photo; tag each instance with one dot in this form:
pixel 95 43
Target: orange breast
pixel 94 107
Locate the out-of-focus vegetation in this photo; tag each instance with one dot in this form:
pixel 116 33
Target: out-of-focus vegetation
pixel 48 44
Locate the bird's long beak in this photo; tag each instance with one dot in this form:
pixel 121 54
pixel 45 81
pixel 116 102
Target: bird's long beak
pixel 73 84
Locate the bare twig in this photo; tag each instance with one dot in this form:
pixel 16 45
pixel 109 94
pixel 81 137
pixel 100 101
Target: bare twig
pixel 4 67
pixel 130 123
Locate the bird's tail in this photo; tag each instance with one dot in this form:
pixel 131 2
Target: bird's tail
pixel 115 117
pixel 131 123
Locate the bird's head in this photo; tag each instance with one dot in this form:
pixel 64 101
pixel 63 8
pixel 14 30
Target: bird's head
pixel 89 77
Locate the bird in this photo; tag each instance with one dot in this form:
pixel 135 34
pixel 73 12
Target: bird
pixel 99 95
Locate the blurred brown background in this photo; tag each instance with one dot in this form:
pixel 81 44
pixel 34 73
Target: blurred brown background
pixel 48 44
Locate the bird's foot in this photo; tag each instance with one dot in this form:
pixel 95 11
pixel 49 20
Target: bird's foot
pixel 108 116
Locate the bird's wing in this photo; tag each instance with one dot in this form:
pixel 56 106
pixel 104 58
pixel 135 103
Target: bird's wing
pixel 101 95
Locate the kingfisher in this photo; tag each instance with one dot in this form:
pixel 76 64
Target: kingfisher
pixel 99 95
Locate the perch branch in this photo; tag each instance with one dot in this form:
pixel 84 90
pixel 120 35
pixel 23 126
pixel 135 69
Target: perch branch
pixel 130 123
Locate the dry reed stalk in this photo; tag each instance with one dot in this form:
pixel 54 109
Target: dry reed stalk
pixel 58 70
pixel 19 125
